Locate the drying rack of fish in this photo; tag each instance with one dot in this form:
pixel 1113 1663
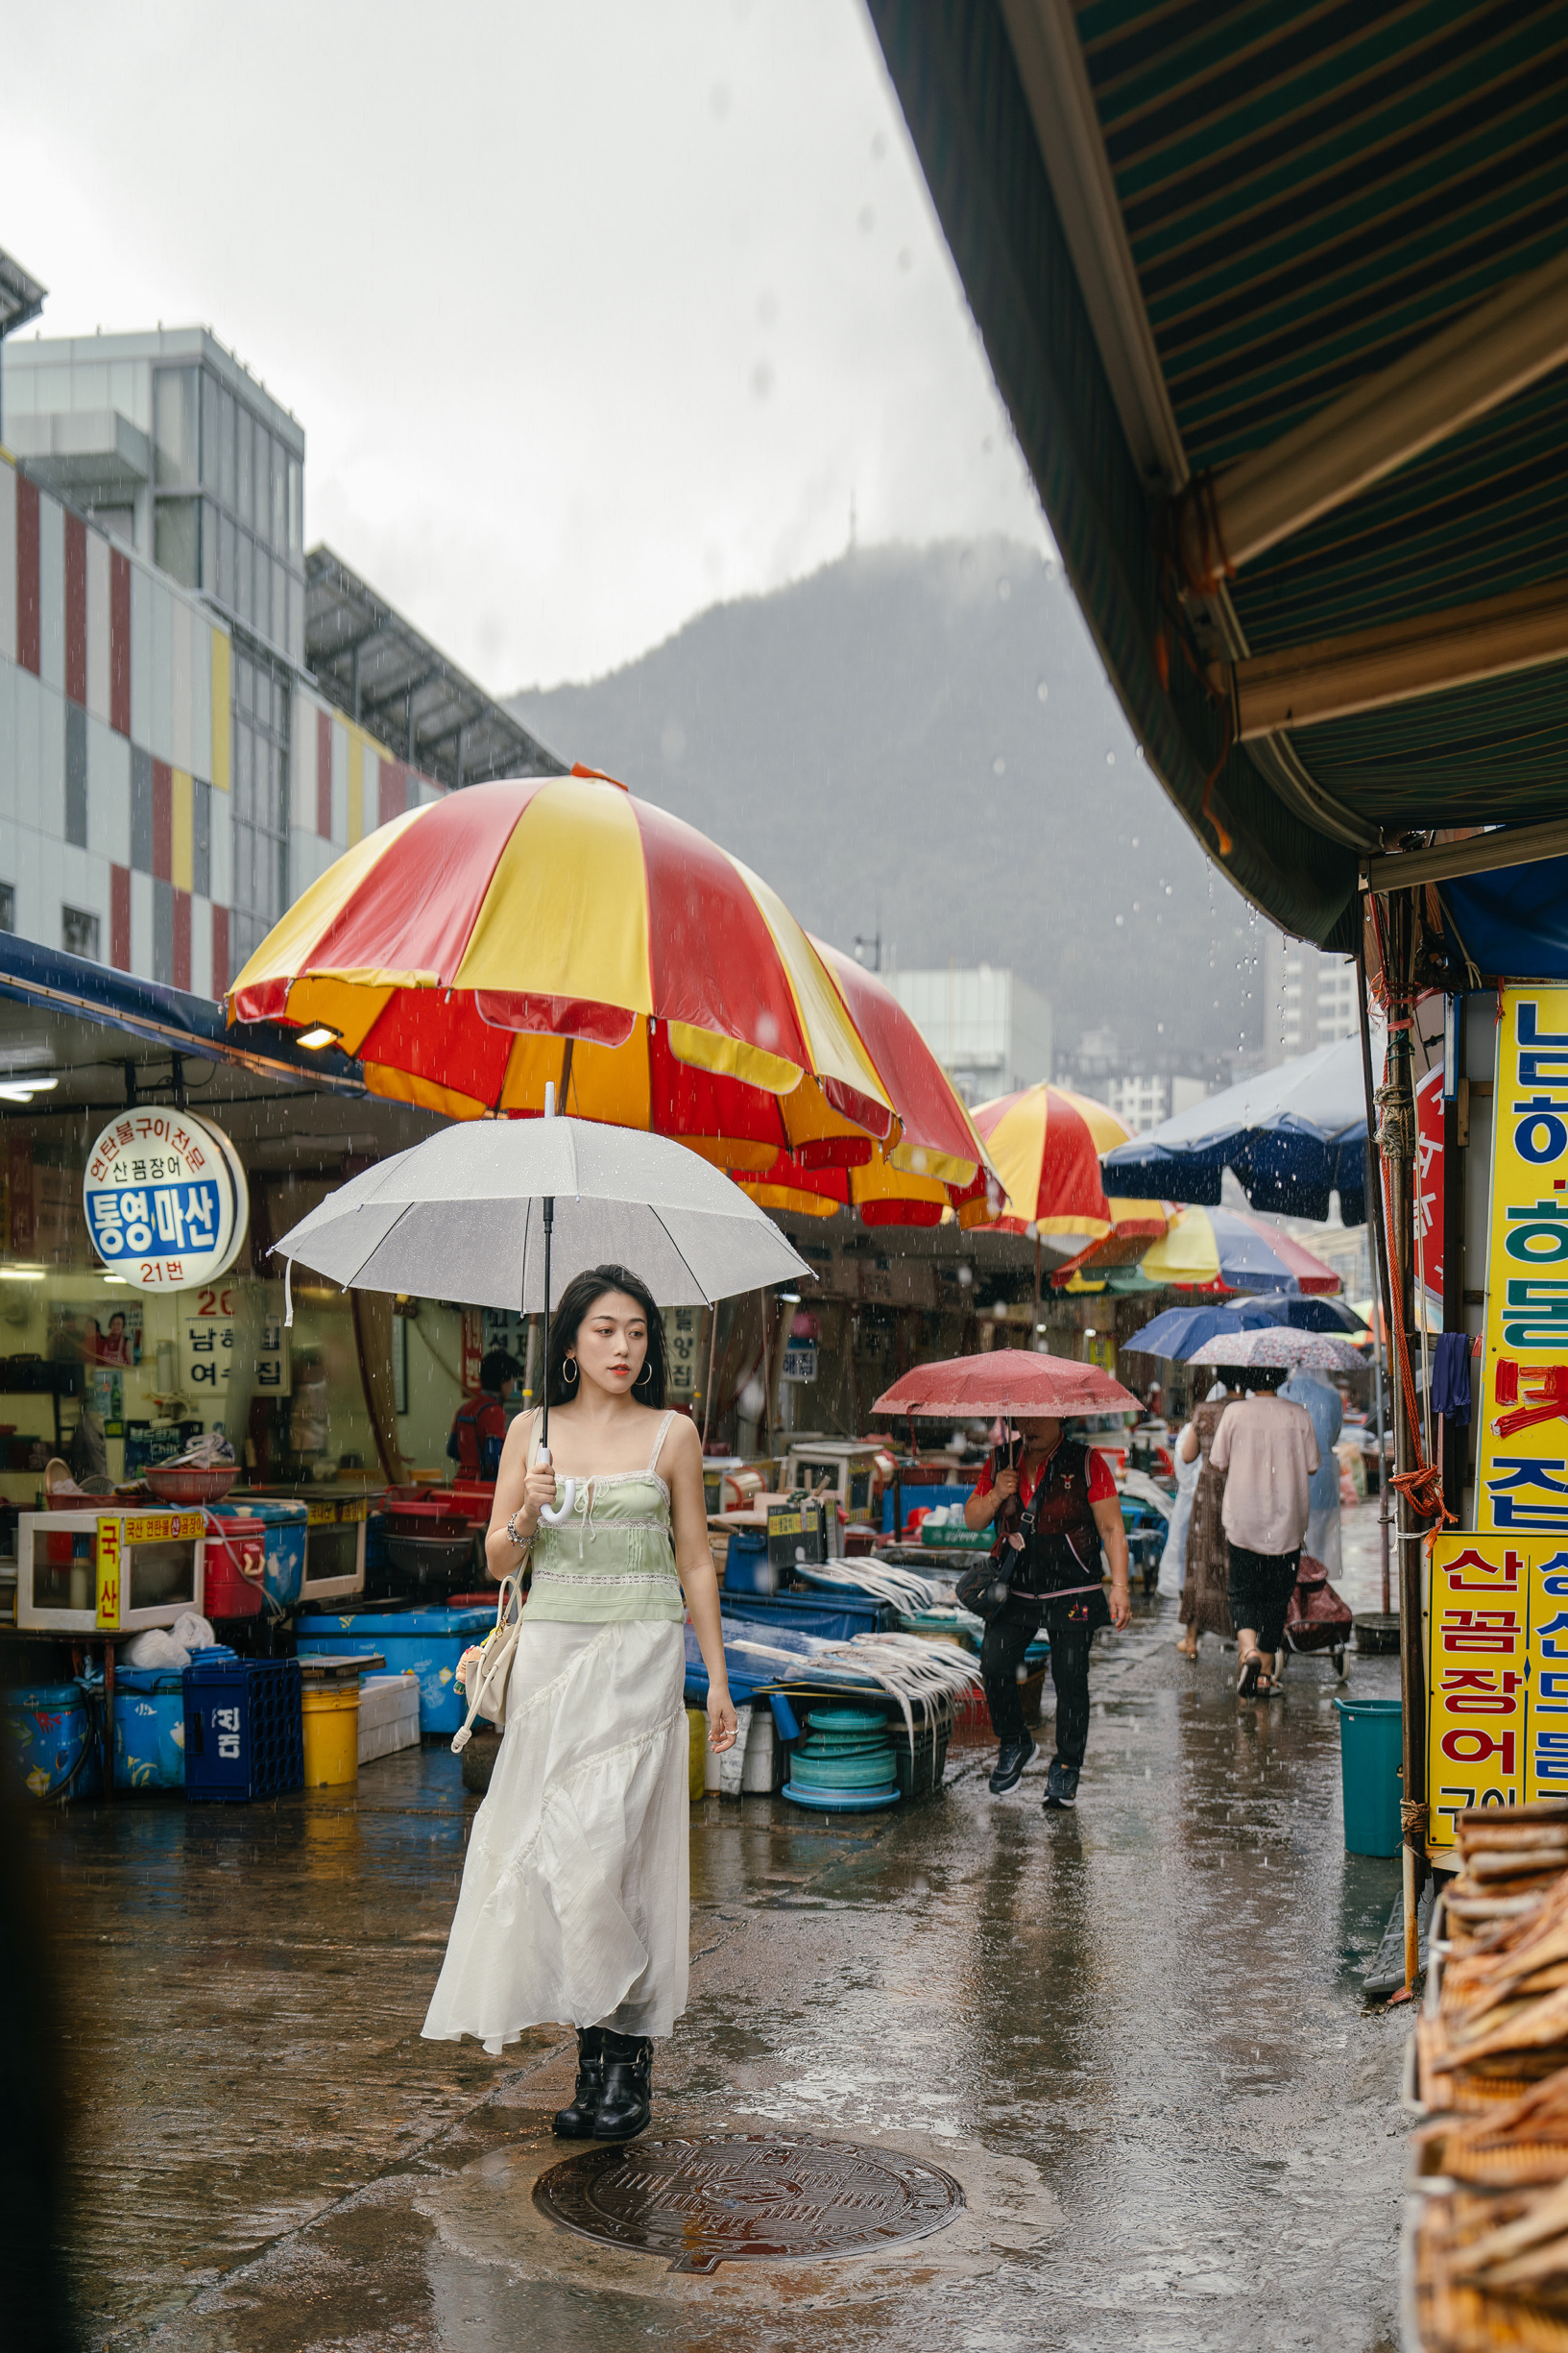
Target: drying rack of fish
pixel 1487 2246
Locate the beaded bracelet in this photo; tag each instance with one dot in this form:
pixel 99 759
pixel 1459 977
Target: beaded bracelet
pixel 522 1543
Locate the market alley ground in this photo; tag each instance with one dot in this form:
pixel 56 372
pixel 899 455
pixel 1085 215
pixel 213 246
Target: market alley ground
pixel 1136 2037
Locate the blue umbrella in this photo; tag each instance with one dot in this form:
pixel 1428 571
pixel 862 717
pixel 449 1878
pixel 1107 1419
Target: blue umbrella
pixel 1292 1136
pixel 1181 1329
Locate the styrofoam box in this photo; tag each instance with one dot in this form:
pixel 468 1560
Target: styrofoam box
pixel 388 1714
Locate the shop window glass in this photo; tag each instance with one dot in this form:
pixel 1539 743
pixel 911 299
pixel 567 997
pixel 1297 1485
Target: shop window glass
pixel 176 435
pixel 226 459
pixel 211 435
pixel 262 442
pixel 243 443
pixel 8 906
pixel 79 933
pixel 177 537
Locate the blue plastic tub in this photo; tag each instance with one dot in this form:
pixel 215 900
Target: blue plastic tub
pixel 747 1568
pixel 921 1499
pixel 47 1726
pixel 835 1619
pixel 286 1523
pixel 244 1735
pixel 430 1641
pixel 149 1727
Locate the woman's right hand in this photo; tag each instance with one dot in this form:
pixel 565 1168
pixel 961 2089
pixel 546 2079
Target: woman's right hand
pixel 538 1491
pixel 1005 1486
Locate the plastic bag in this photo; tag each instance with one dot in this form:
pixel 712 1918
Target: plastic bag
pixel 1173 1559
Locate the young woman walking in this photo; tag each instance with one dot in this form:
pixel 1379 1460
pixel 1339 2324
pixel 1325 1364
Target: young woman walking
pixel 575 1905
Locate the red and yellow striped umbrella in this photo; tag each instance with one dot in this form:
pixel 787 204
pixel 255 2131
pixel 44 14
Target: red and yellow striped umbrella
pixel 1046 1144
pixel 936 1157
pixel 558 929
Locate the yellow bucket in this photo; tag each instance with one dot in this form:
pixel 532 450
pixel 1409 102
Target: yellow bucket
pixel 331 1736
pixel 696 1725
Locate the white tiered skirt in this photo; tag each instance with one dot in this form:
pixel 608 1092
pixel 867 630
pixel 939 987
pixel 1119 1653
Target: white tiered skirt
pixel 575 1903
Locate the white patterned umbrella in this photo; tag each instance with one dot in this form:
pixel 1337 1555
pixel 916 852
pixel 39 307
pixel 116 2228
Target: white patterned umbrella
pixel 1279 1345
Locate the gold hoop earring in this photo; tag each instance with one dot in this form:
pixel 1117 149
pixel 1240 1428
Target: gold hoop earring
pixel 568 1373
pixel 646 1373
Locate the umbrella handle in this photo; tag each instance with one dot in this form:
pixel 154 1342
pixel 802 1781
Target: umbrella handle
pixel 557 1517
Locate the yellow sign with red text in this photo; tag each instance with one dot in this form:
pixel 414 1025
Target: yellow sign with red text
pixel 1522 1453
pixel 107 1577
pixel 1497 1683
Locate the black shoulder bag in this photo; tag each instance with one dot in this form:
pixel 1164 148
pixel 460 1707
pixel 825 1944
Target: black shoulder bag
pixel 987 1587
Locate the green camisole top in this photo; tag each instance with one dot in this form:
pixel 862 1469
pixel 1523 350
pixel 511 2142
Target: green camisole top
pixel 614 1559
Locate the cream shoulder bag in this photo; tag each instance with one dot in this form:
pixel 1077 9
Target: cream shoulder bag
pixel 485 1671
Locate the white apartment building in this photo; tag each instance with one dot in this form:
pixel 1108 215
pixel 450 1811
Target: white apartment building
pixel 1309 998
pixel 1141 1103
pixel 989 1031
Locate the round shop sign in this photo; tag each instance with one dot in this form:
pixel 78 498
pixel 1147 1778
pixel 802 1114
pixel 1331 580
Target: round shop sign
pixel 165 1198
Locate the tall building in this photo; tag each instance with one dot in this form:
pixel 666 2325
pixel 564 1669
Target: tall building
pixel 175 450
pixel 1142 1102
pixel 1309 998
pixel 989 1031
pixel 196 716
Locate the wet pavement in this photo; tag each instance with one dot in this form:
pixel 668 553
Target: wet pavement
pixel 1136 2036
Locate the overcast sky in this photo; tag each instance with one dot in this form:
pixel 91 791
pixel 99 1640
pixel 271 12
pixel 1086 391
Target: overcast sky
pixel 594 311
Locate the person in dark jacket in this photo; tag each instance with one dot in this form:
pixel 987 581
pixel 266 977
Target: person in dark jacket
pixel 1070 1518
pixel 478 1430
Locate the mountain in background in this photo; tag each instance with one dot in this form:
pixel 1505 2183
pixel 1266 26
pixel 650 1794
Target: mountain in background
pixel 922 741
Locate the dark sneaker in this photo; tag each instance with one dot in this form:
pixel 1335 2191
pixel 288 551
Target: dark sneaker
pixel 1061 1787
pixel 1011 1758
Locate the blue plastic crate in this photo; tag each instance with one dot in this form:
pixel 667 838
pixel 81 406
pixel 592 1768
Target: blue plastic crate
pixel 243 1728
pixel 835 1617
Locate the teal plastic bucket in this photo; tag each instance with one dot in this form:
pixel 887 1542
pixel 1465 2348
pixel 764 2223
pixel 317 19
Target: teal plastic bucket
pixel 1372 1750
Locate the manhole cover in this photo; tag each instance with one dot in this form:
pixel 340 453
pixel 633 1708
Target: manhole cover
pixel 747 2197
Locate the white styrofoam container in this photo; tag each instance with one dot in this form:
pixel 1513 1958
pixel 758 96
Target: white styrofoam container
pixel 388 1714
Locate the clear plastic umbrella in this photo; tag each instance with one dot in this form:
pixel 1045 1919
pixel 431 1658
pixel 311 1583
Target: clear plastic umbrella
pixel 1279 1345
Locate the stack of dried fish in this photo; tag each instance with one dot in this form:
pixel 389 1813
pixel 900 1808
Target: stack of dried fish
pixel 1501 2022
pixel 1491 2247
pixel 1491 2271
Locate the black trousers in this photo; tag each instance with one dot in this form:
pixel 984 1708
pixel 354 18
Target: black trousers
pixel 1007 1637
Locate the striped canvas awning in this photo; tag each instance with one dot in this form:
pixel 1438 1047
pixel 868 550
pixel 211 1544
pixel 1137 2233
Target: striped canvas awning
pixel 1278 302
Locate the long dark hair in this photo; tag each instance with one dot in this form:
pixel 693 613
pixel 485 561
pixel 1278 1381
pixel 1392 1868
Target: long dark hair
pixel 573 1310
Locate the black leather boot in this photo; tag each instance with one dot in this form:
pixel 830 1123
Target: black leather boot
pixel 626 2103
pixel 576 2122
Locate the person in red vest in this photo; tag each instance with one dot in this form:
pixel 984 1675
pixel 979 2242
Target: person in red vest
pixel 478 1429
pixel 1071 1527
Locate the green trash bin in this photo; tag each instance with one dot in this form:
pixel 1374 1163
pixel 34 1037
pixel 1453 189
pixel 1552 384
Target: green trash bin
pixel 1371 1751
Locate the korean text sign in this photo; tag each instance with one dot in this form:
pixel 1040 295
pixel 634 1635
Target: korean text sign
pixel 1497 1686
pixel 165 1198
pixel 1522 1466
